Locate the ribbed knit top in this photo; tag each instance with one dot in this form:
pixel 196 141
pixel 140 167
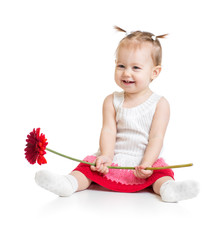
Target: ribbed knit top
pixel 133 127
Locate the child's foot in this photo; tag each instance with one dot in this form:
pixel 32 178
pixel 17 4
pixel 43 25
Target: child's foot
pixel 172 191
pixel 61 185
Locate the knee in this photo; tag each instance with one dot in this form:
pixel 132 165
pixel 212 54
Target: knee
pixel 157 185
pixel 83 181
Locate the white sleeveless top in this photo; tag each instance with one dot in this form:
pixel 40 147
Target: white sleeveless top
pixel 133 127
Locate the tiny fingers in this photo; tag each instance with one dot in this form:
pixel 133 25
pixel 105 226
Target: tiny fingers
pixel 98 164
pixel 141 173
pixel 138 173
pixel 147 173
pixel 100 167
pixel 93 168
pixel 103 169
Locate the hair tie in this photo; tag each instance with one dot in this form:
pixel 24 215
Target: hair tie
pixel 153 37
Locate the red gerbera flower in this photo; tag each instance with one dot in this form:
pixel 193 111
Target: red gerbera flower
pixel 35 147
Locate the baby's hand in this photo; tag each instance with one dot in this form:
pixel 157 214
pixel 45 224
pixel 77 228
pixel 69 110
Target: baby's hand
pixel 101 164
pixel 141 173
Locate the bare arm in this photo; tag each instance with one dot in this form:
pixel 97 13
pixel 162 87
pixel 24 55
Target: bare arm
pixel 108 132
pixel 107 137
pixel 156 137
pixel 157 132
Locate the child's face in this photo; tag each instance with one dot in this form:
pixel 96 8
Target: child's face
pixel 134 68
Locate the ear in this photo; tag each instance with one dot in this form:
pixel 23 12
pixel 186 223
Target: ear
pixel 156 71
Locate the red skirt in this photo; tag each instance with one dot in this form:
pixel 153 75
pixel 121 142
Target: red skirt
pixel 123 180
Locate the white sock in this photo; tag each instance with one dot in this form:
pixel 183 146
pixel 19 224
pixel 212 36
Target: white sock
pixel 172 191
pixel 61 185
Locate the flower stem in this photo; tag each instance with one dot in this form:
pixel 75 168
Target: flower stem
pixel 74 159
pixel 117 167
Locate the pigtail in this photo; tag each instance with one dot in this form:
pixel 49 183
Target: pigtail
pixel 119 29
pixel 162 36
pixel 154 38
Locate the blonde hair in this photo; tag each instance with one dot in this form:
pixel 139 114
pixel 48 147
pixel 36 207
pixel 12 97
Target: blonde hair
pixel 137 38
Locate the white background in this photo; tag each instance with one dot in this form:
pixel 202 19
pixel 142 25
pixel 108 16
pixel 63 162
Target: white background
pixel 56 67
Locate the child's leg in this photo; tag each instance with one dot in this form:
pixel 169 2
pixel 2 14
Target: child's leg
pixel 157 185
pixel 62 185
pixel 171 191
pixel 83 181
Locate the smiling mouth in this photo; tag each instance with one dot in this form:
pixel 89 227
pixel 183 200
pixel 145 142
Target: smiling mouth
pixel 128 82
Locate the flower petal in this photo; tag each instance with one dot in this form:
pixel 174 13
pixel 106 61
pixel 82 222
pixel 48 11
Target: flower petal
pixel 35 147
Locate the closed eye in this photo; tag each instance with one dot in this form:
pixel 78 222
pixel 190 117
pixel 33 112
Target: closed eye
pixel 120 66
pixel 136 67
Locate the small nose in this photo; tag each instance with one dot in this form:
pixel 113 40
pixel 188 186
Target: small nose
pixel 126 72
